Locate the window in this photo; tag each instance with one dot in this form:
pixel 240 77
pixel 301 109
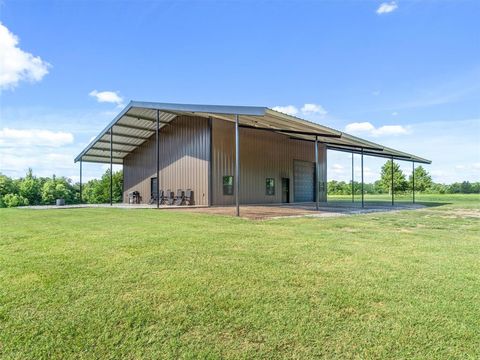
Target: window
pixel 228 185
pixel 270 186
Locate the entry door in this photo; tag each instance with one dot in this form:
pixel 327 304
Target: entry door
pixel 304 184
pixel 285 190
pixel 153 187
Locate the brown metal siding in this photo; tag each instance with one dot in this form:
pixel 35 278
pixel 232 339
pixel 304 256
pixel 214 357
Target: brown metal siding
pixel 262 155
pixel 184 160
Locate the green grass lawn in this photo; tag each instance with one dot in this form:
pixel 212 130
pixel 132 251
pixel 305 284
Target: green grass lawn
pixel 420 198
pixel 119 283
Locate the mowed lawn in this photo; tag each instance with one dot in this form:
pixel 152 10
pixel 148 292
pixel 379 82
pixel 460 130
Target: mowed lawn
pixel 119 283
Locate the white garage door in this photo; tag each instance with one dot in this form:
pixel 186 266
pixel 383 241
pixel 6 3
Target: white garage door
pixel 304 173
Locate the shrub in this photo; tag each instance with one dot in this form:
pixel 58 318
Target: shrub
pixel 12 200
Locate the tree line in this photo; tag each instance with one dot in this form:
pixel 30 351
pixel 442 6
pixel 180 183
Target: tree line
pixel 423 184
pixel 33 190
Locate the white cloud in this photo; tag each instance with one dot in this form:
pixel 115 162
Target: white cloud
pixel 391 130
pixel 17 65
pixel 394 113
pixel 369 129
pixel 358 127
pixel 386 8
pixel 306 109
pixel 289 109
pixel 337 169
pixel 34 137
pixel 107 97
pixel 311 109
pixel 45 155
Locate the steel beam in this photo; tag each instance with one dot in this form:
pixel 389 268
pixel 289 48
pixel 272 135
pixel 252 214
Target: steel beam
pixel 111 166
pixel 340 146
pixel 119 143
pixel 393 190
pixel 210 165
pixel 353 181
pixel 413 181
pixel 237 166
pixel 101 156
pixel 146 118
pixel 363 195
pixel 316 187
pixel 137 137
pixel 99 161
pixel 108 148
pixel 371 153
pixel 157 143
pixel 290 131
pixel 133 127
pixel 80 180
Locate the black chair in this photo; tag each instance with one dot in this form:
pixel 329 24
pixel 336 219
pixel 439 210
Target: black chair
pixel 180 198
pixel 170 198
pixel 163 198
pixel 189 197
pixel 153 198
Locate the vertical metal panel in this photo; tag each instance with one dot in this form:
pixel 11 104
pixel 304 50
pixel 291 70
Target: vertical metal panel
pixel 184 160
pixel 263 155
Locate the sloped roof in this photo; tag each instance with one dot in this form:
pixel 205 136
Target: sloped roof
pixel 137 122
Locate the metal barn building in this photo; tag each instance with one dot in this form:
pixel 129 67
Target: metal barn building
pixel 226 155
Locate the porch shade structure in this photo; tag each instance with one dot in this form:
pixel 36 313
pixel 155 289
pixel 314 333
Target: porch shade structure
pixel 317 177
pixel 393 183
pixel 139 121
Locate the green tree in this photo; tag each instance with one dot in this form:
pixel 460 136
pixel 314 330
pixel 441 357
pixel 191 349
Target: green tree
pixel 30 188
pixel 98 191
pixel 7 185
pixel 57 188
pixel 423 180
pixel 399 182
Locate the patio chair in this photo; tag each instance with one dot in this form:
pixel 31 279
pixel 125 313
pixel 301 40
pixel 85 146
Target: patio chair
pixel 180 198
pixel 153 198
pixel 170 198
pixel 189 197
pixel 162 197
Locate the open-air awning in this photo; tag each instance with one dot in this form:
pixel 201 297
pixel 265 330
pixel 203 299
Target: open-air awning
pixel 136 123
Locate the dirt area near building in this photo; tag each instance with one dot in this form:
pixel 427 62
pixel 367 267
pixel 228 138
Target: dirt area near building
pixel 260 212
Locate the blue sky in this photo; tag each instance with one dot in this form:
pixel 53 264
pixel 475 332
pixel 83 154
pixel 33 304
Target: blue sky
pixel 405 74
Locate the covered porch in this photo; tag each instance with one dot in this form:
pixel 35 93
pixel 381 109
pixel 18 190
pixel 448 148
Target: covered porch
pixel 140 121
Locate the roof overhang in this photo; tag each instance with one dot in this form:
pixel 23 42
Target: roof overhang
pixel 136 123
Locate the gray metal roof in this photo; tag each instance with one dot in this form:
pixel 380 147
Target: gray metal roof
pixel 137 122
